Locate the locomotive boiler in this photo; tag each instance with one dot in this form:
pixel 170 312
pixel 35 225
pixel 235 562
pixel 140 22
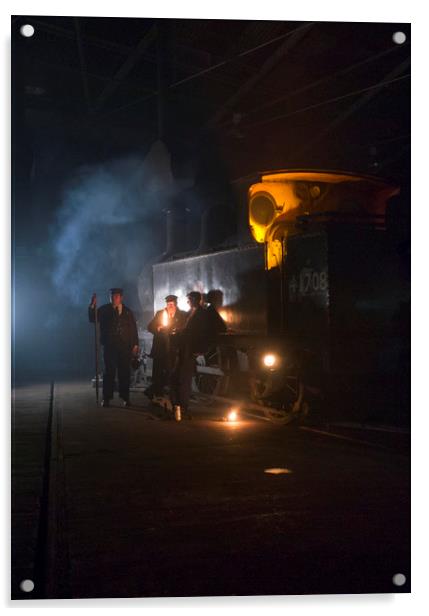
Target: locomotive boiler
pixel 313 301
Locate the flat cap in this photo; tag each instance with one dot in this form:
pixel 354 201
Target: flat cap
pixel 171 298
pixel 116 290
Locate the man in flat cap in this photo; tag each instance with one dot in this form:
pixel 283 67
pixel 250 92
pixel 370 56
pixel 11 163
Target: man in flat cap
pixel 165 326
pixel 118 335
pixel 194 341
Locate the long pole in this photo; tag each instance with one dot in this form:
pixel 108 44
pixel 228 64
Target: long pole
pixel 96 353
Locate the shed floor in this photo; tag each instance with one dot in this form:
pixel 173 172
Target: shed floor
pixel 139 506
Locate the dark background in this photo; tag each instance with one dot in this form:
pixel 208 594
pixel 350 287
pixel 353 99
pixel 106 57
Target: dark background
pixel 117 120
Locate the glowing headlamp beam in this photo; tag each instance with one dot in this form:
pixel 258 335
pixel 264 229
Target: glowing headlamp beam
pixel 269 360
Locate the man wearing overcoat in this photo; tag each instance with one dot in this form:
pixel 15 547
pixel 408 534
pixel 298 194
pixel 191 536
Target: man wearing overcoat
pixel 119 338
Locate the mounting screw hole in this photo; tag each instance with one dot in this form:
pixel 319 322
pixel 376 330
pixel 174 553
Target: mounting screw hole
pixel 399 579
pixel 399 38
pixel 27 30
pixel 27 585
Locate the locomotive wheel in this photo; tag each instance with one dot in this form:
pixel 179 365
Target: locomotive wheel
pixel 281 406
pixel 209 376
pixel 207 384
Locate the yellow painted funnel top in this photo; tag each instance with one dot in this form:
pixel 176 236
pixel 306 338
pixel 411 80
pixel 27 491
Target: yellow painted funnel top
pixel 281 196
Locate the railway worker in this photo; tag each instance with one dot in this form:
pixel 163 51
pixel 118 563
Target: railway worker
pixel 118 335
pixel 165 326
pixel 193 341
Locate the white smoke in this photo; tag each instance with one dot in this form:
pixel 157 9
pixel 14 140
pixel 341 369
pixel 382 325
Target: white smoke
pixel 110 222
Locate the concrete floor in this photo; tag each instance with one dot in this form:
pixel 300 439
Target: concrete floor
pixel 141 506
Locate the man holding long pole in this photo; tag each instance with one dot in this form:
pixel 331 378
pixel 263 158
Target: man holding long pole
pixel 118 335
pixel 94 299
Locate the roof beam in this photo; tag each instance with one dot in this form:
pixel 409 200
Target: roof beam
pixel 358 104
pixel 293 38
pixel 82 63
pixel 325 78
pixel 66 33
pixel 214 67
pixel 324 102
pixel 96 76
pixel 126 67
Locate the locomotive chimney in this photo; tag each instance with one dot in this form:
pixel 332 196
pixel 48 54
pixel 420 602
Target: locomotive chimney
pixel 205 230
pixel 176 230
pixel 169 229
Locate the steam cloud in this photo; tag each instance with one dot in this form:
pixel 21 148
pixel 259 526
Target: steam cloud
pixel 108 227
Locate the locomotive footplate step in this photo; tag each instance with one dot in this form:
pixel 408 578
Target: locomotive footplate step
pixel 147 508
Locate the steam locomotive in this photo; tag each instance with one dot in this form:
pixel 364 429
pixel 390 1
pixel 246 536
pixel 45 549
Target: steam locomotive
pixel 314 299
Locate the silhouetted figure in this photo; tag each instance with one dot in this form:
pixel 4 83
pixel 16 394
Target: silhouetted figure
pixel 215 324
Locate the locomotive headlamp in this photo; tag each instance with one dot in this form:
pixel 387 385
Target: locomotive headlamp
pixel 270 360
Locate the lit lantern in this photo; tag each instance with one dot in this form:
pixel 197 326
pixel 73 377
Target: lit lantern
pixel 224 315
pixel 165 318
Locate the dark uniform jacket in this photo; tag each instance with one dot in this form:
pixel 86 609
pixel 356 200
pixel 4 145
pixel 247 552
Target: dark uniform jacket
pixel 115 329
pixel 201 330
pixel 176 324
pixel 195 336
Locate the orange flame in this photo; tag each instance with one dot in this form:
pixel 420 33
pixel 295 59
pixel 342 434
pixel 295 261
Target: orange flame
pixel 165 318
